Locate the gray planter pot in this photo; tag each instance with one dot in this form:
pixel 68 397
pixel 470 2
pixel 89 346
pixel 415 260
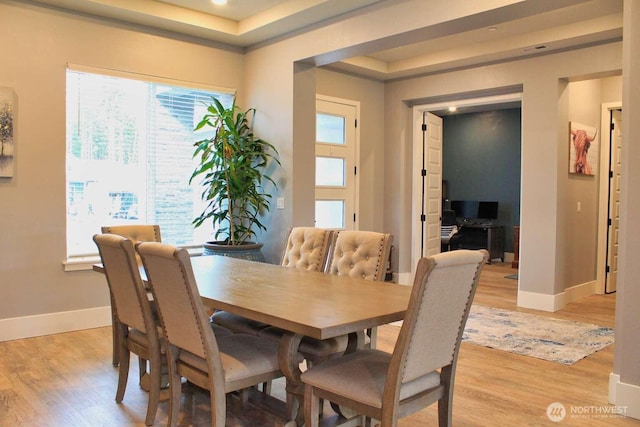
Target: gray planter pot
pixel 248 251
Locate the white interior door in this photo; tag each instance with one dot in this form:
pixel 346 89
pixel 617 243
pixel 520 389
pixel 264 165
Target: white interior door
pixel 336 166
pixel 614 202
pixel 427 185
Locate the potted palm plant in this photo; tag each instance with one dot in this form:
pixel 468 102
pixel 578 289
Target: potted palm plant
pixel 232 166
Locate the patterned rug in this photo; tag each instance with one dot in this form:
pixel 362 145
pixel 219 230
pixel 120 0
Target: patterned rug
pixel 556 340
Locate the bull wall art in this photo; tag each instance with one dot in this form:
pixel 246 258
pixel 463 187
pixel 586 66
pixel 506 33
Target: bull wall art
pixel 6 132
pixel 583 149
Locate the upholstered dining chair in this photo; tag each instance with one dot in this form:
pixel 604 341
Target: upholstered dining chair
pixel 305 248
pixel 421 369
pixel 135 321
pixel 359 253
pixel 136 233
pixel 219 365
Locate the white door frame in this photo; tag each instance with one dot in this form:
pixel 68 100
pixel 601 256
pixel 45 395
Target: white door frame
pixel 603 209
pixel 417 139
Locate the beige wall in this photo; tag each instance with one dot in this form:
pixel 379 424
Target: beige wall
pixel 36 46
pixel 585 100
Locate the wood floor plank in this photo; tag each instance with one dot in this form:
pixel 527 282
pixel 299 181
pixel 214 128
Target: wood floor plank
pixel 68 380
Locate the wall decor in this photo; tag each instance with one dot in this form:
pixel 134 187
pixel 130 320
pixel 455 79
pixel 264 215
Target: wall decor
pixel 7 141
pixel 583 149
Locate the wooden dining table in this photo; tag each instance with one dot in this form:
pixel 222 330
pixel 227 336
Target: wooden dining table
pixel 300 302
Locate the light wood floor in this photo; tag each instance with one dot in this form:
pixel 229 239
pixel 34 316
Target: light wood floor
pixel 67 380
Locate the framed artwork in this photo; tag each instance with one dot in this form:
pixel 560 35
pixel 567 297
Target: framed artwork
pixel 583 149
pixel 7 142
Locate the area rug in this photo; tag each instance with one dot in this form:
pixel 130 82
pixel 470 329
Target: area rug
pixel 556 340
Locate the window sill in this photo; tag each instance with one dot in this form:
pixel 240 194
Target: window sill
pixel 86 263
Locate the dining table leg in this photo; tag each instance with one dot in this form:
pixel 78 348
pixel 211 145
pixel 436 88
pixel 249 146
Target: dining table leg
pixel 288 359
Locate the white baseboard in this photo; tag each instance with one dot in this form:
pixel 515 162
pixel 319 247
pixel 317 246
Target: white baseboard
pixel 577 292
pixel 547 302
pixel 54 323
pixel 614 379
pixel 624 396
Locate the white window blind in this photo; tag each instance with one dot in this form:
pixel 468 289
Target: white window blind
pixel 129 157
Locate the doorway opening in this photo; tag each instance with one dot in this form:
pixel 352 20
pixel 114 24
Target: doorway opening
pixel 427 173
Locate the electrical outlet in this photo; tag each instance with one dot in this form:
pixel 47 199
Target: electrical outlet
pixel 280 203
pixel 579 206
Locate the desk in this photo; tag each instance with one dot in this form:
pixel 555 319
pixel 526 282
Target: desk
pixel 315 304
pixel 481 236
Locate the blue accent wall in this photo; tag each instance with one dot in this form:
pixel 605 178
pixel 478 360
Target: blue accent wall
pixel 481 161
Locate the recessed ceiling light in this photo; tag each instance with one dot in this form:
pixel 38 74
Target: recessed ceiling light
pixel 492 28
pixel 219 2
pixel 453 108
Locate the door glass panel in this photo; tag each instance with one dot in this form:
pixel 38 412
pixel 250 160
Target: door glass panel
pixel 330 171
pixel 330 129
pixel 330 213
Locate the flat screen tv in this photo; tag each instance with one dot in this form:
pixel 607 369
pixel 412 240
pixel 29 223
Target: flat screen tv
pixel 465 209
pixel 488 210
pixel 474 209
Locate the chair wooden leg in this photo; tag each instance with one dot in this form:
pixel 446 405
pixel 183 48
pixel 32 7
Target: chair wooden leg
pixel 311 407
pixel 155 384
pixel 123 370
pixel 445 402
pixel 444 412
pixel 115 332
pixel 175 390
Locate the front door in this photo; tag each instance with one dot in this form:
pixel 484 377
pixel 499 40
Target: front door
pixel 336 167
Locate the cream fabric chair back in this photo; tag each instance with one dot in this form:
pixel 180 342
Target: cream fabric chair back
pixel 307 248
pixel 174 287
pixel 135 232
pixel 432 330
pixel 118 259
pixel 358 253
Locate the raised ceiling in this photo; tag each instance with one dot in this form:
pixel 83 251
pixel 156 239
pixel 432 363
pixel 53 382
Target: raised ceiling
pixel 245 23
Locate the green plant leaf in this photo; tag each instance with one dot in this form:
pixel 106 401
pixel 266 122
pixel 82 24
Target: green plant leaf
pixel 231 170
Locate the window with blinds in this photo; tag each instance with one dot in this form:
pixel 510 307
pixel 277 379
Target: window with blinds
pixel 129 157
